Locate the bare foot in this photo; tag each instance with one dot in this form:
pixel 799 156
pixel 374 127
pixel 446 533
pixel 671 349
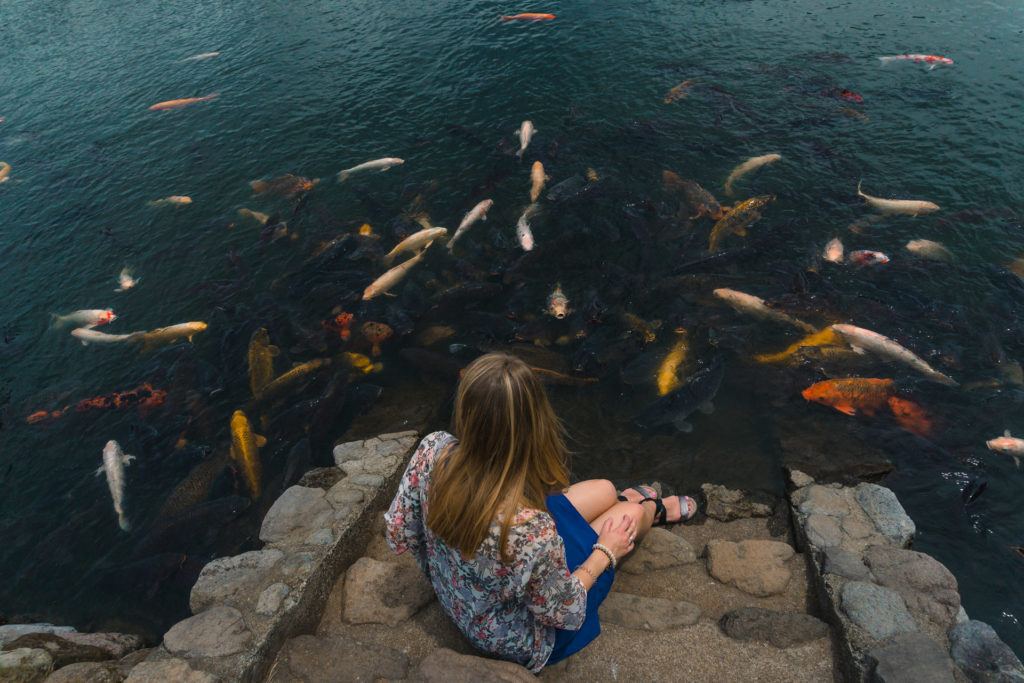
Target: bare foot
pixel 636 494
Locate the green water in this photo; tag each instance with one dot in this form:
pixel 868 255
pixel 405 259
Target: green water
pixel 313 87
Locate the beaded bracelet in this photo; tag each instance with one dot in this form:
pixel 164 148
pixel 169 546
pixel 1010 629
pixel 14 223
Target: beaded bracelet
pixel 604 549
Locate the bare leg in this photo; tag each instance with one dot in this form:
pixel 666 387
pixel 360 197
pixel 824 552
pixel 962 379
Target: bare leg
pixel 592 498
pixel 643 514
pixel 673 508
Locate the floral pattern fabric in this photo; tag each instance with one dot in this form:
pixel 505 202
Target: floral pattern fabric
pixel 509 610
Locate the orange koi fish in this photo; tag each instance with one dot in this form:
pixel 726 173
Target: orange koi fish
pixel 182 102
pixel 528 16
pixel 869 396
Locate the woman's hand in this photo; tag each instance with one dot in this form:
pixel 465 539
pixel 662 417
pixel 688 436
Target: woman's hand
pixel 618 536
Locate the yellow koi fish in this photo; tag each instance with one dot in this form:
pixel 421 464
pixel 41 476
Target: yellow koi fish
pixel 825 337
pixel 668 372
pixel 245 450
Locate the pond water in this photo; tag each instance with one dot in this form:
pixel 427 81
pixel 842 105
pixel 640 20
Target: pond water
pixel 310 88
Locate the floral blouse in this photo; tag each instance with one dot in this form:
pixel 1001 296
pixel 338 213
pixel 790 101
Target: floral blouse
pixel 511 610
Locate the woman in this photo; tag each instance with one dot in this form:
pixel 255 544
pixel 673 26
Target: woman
pixel 519 560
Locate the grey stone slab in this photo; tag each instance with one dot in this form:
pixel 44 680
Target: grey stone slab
pixel 448 666
pixel 780 629
pixel 847 564
pixel 168 670
pixel 321 478
pixel 338 660
pixel 87 672
pixel 233 580
pixel 9 632
pixel 911 658
pixel 295 515
pixel 25 665
pixel 61 651
pixel 926 586
pixel 982 655
pixel 216 632
pixel 270 599
pixel 755 567
pixel 660 549
pixel 384 592
pixel 648 614
pixel 879 611
pixel 884 509
pixel 726 505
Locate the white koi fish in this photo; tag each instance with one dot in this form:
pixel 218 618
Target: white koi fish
pixel 833 251
pixel 201 57
pixel 385 282
pixel 523 232
pixel 751 164
pixel 125 281
pixel 477 213
pixel 114 462
pixel 866 340
pixel 375 165
pixel 1007 445
pixel 415 242
pixel 87 336
pixel 907 207
pixel 525 134
pixel 88 318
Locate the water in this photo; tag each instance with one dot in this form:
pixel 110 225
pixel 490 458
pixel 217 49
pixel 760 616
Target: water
pixel 313 87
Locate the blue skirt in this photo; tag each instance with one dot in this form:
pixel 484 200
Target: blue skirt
pixel 579 539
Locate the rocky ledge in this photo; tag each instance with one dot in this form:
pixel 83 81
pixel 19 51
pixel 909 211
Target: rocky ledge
pixel 896 612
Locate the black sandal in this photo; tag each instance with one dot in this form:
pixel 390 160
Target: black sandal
pixel 660 513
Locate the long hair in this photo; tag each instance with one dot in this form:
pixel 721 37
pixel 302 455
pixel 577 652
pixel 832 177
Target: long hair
pixel 510 454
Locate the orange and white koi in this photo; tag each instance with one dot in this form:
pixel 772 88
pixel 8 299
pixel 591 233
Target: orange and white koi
pixel 88 318
pixel 1007 444
pixel 182 102
pixel 864 257
pixel 931 60
pixel 558 303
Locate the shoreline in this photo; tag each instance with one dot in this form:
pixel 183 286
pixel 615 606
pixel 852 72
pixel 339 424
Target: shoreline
pixel 891 613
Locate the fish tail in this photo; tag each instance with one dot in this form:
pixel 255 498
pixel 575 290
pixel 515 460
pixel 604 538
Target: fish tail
pixel 859 183
pixel 56 321
pixel 211 96
pixel 343 176
pixel 122 521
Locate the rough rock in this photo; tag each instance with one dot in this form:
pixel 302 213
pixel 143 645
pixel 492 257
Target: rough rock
pixel 660 549
pixel 11 632
pixel 846 564
pixel 926 586
pixel 912 658
pixel 755 567
pixel 726 505
pixel 218 631
pixel 343 493
pixel 879 611
pixel 338 660
pixel 87 672
pixel 799 480
pixel 270 599
pixel 167 670
pixel 295 515
pixel 448 666
pixel 372 481
pixel 24 665
pixel 63 652
pixel 384 592
pixel 881 505
pixel 781 629
pixel 823 500
pixel 321 478
pixel 823 531
pixel 232 580
pixel 117 645
pixel 648 614
pixel 982 655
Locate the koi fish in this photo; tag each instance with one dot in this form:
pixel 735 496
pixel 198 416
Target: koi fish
pixel 376 334
pixel 202 56
pixel 523 232
pixel 548 376
pixel 477 213
pixel 144 396
pixel 833 252
pixel 756 306
pixel 5 171
pixel 385 282
pixel 882 346
pixel 647 330
pixel 362 363
pixel 261 360
pixel 738 220
pixel 537 179
pixel 679 92
pixel 869 396
pixel 931 60
pixel 751 164
pixel 375 165
pixel 908 207
pixel 125 281
pixel 667 379
pixel 1007 445
pixel 114 462
pixel 525 134
pixel 415 242
pixel 288 185
pixel 558 303
pixel 257 216
pixel 863 257
pixel 825 337
pixel 173 200
pixel 169 334
pixel 696 197
pixel 245 450
pixel 927 249
pixel 87 336
pixel 528 16
pixel 87 318
pixel 286 380
pixel 183 102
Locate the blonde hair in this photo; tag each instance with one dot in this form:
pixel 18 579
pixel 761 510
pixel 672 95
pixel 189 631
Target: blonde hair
pixel 510 454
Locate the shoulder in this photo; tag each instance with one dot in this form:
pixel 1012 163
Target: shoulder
pixel 535 527
pixel 430 446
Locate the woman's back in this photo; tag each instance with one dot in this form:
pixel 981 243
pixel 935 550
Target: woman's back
pixel 508 608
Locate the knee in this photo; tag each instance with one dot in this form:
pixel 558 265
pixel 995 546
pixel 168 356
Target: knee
pixel 606 489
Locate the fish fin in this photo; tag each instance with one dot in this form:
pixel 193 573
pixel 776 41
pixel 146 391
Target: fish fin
pixel 845 408
pixel 682 425
pixel 1007 433
pixel 273 350
pixel 858 350
pixel 127 459
pixel 742 232
pixel 1016 461
pixel 859 193
pixel 343 176
pixel 516 133
pixel 390 294
pixel 261 440
pixel 99 470
pixel 123 522
pixel 484 217
pixel 707 408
